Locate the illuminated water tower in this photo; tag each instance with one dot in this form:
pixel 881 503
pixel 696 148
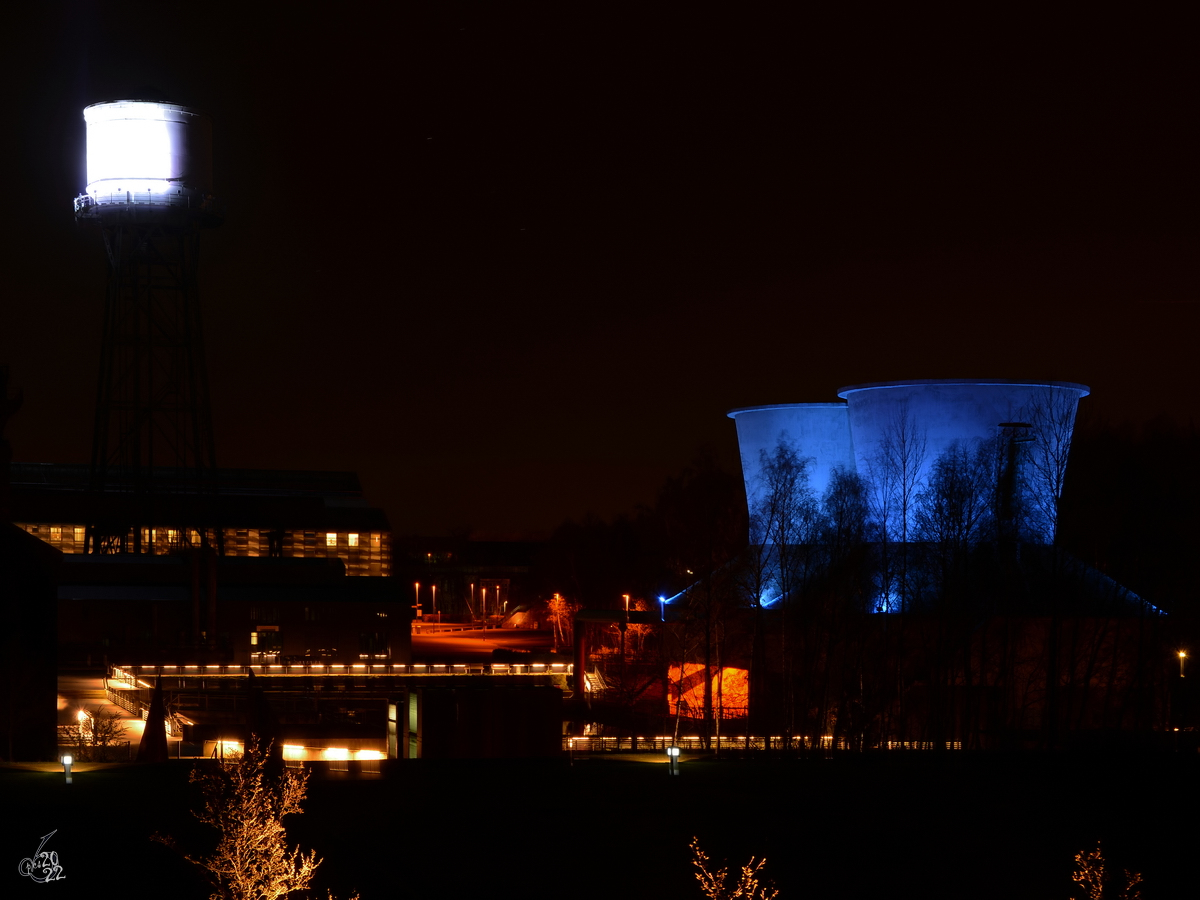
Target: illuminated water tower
pixel 149 192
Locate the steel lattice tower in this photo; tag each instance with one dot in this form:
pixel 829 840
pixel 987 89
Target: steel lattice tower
pixel 153 465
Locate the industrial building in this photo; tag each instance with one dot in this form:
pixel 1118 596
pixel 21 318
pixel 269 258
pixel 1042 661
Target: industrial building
pixel 253 513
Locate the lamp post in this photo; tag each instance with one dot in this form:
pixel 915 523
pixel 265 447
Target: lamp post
pixel 624 626
pixel 417 592
pixel 66 761
pixel 433 588
pixel 1182 657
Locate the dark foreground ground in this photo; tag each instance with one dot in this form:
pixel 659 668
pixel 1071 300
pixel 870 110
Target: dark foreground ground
pixel 899 825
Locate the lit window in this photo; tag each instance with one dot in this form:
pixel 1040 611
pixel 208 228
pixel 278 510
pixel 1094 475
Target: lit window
pixel 374 540
pixel 331 539
pixel 352 539
pixel 55 533
pixel 253 638
pixel 78 535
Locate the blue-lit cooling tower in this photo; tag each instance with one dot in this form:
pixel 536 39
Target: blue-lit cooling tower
pixel 819 431
pixel 938 413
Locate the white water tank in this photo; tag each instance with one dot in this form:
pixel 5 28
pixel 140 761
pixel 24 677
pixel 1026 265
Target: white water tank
pixel 142 151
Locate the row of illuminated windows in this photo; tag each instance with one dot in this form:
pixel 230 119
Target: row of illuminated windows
pixel 332 539
pixel 56 534
pixel 365 553
pixel 372 542
pixel 296 752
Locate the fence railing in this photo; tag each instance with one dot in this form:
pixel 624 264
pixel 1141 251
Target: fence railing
pixel 119 698
pixel 82 748
pixel 440 627
pixel 631 743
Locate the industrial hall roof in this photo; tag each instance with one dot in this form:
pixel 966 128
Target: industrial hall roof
pixel 245 498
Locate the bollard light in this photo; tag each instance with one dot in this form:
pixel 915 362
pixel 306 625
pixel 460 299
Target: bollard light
pixel 673 759
pixel 66 761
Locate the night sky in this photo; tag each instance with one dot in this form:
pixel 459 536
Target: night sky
pixel 511 267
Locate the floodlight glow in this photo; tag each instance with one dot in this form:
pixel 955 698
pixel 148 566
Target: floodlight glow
pixel 336 753
pixel 889 603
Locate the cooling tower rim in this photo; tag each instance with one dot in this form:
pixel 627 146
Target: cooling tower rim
pixel 734 413
pixel 1082 389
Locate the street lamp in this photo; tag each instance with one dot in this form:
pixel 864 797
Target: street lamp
pixel 662 610
pixel 1182 657
pixel 417 590
pixel 624 626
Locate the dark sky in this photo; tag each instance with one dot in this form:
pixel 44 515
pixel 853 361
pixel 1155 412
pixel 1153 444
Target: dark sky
pixel 512 267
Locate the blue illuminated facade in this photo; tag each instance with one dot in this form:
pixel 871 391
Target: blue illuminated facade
pixel 896 435
pixel 821 432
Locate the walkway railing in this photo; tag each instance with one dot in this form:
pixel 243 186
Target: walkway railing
pixel 87 204
pixel 131 674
